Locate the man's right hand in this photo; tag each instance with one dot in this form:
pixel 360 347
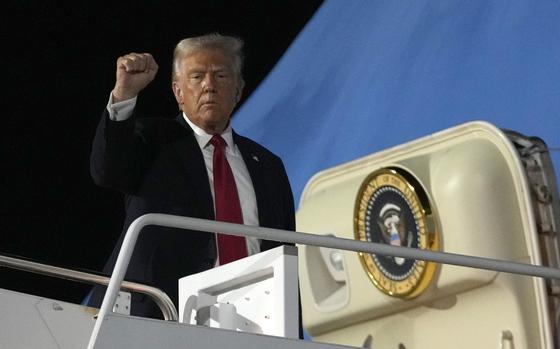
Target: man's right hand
pixel 134 72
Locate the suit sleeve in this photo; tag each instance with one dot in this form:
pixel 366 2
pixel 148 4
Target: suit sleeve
pixel 284 207
pixel 289 209
pixel 117 154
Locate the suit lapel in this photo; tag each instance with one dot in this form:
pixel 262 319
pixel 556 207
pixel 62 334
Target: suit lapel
pixel 258 176
pixel 191 157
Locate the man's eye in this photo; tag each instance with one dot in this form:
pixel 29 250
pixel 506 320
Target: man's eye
pixel 196 76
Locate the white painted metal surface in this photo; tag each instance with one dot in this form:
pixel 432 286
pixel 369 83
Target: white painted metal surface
pixel 29 322
pixel 139 333
pixel 257 294
pixel 477 185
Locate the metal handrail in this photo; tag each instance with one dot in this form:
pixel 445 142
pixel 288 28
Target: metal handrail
pixel 198 224
pixel 159 297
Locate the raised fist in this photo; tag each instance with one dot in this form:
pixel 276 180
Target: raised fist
pixel 134 72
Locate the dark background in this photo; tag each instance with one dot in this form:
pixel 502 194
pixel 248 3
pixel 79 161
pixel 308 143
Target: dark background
pixel 58 61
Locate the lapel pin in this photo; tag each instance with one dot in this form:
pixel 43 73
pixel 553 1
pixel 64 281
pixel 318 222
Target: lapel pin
pixel 256 158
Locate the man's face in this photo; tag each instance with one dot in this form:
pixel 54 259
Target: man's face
pixel 207 89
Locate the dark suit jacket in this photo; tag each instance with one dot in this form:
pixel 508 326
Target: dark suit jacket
pixel 159 166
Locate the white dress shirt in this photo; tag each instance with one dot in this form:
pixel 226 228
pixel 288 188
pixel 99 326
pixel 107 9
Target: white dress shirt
pixel 123 110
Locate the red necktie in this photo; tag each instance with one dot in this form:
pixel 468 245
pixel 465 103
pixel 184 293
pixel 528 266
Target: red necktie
pixel 228 209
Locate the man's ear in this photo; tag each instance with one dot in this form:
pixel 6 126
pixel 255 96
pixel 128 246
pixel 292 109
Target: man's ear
pixel 177 92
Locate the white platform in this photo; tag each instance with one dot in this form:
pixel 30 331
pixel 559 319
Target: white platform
pixel 28 321
pixel 257 294
pixel 122 332
pixel 32 322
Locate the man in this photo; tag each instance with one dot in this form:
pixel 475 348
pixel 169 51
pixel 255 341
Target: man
pixel 169 165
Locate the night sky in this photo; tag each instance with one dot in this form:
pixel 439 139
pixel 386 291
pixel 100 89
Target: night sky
pixel 59 64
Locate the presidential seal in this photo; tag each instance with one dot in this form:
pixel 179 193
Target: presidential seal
pixel 392 208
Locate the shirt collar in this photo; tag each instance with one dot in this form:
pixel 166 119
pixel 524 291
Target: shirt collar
pixel 203 138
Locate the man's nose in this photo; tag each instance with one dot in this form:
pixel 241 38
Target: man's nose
pixel 209 83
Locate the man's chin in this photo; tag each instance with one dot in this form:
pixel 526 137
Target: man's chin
pixel 215 122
